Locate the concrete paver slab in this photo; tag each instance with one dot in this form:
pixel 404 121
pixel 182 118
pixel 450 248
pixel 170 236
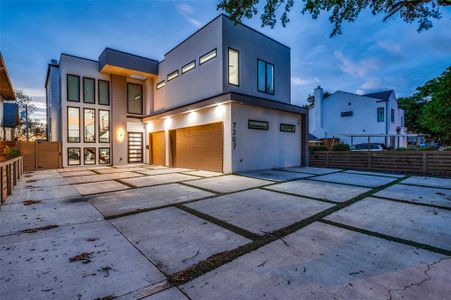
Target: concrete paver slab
pixel 311 170
pixel 21 216
pixel 148 197
pixel 169 294
pixel 203 173
pixel 26 183
pixel 326 262
pixel 355 179
pixel 40 175
pixel 228 183
pixel 164 171
pixel 43 193
pixel 78 173
pixel 95 187
pixel 101 177
pixel 260 211
pixel 174 239
pixel 321 190
pixel 275 175
pixel 38 266
pixel 429 181
pixel 157 179
pixel 416 223
pixel 373 173
pixel 119 170
pixel 417 194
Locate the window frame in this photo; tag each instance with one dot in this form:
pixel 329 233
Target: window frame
pixel 94 93
pixel 67 124
pixel 98 91
pixel 84 125
pixel 206 54
pixel 84 156
pixel 392 115
pixel 109 125
pixel 68 161
pixel 228 66
pixel 266 78
pixel 348 113
pixel 191 62
pixel 159 86
pixel 257 128
pixel 109 154
pixel 383 114
pixel 290 125
pixel 172 73
pixel 142 99
pixel 67 87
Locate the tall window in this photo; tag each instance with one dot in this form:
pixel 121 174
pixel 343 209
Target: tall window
pixel 73 88
pixel 234 67
pixel 104 92
pixel 265 77
pixel 89 156
pixel 89 124
pixel 73 156
pixel 380 114
pixel 134 99
pixel 89 90
pixel 73 124
pixel 393 115
pixel 104 126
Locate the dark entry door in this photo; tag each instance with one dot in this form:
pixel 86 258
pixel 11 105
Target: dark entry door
pixel 135 147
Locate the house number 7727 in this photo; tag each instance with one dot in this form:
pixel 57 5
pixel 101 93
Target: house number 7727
pixel 234 142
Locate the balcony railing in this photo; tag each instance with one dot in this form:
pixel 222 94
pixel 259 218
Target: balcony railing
pixel 10 172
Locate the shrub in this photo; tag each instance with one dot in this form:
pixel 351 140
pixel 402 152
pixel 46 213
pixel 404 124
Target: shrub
pixel 318 148
pixel 12 152
pixel 341 147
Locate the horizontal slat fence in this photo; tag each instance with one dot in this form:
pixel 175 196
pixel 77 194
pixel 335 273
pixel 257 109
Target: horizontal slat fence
pixel 417 162
pixel 10 172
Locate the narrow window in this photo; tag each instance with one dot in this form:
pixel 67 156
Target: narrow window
pixel 188 67
pixel 73 88
pixel 104 156
pixel 261 82
pixel 380 114
pixel 73 124
pixel 260 125
pixel 265 77
pixel 287 128
pixel 393 115
pixel 104 126
pixel 161 84
pixel 104 92
pixel 173 75
pixel 134 99
pixel 206 57
pixel 269 78
pixel 347 113
pixel 89 90
pixel 73 156
pixel 234 67
pixel 89 125
pixel 89 156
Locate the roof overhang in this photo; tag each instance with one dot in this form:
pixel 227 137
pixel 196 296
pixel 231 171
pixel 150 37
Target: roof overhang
pixel 6 88
pixel 125 64
pixel 226 98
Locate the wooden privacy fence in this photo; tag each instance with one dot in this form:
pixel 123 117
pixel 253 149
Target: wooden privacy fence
pixel 41 155
pixel 10 172
pixel 417 162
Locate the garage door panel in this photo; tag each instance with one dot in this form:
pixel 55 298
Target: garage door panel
pixel 158 148
pixel 199 147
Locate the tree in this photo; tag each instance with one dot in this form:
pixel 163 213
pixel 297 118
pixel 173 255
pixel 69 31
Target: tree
pixel 421 11
pixel 36 130
pixel 311 100
pixel 429 109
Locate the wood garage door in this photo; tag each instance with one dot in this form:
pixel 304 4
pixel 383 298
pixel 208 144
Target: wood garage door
pixel 158 148
pixel 199 147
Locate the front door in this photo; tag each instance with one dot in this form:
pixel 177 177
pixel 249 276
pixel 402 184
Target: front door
pixel 135 147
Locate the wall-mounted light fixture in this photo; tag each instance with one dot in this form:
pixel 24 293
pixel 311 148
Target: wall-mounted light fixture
pixel 120 135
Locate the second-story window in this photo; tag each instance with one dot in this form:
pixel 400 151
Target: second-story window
pixel 393 115
pixel 89 125
pixel 161 84
pixel 188 67
pixel 73 88
pixel 380 114
pixel 234 67
pixel 173 75
pixel 104 92
pixel 134 99
pixel 208 56
pixel 89 90
pixel 265 77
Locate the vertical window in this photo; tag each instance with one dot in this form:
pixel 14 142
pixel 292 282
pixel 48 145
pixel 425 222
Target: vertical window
pixel 104 156
pixel 380 114
pixel 104 92
pixel 73 88
pixel 89 156
pixel 104 126
pixel 234 67
pixel 89 90
pixel 265 77
pixel 73 124
pixel 89 125
pixel 393 115
pixel 134 99
pixel 73 156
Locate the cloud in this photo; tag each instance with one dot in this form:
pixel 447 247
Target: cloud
pixel 303 82
pixel 357 68
pixel 187 11
pixel 371 84
pixel 391 47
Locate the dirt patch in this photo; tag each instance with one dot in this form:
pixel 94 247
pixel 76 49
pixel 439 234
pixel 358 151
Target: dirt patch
pixel 110 297
pixel 31 180
pixel 30 202
pixel 92 239
pixel 84 257
pixel 33 230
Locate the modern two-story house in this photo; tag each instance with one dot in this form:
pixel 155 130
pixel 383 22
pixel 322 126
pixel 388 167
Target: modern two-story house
pixel 353 118
pixel 220 100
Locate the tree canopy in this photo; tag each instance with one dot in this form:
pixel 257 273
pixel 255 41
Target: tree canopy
pixel 340 11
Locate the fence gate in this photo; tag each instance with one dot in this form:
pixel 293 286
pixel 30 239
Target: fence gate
pixel 41 156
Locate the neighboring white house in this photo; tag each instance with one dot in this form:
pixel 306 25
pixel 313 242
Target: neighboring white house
pixel 343 114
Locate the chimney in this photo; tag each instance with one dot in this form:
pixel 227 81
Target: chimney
pixel 317 109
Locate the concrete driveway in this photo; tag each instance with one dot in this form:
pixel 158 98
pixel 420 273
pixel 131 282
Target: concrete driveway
pixel 151 232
